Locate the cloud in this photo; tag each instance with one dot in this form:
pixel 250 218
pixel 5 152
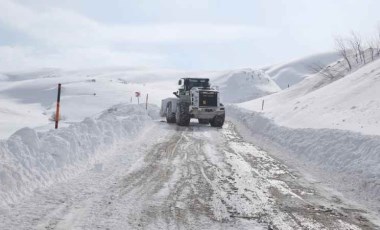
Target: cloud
pixel 19 58
pixel 63 27
pixel 66 39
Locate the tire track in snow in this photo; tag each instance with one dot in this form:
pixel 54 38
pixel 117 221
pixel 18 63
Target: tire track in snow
pixel 204 178
pixel 196 177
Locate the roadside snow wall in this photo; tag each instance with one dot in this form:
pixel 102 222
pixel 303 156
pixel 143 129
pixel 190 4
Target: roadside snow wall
pixel 29 160
pixel 347 161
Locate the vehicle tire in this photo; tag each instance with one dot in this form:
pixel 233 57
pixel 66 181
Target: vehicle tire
pixel 182 114
pixel 170 115
pixel 217 121
pixel 203 121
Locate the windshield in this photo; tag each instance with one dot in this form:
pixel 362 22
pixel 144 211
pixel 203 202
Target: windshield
pixel 197 83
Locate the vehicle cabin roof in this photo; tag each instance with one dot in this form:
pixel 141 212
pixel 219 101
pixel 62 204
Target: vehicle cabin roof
pixel 195 78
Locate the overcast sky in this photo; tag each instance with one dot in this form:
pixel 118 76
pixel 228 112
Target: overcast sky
pixel 178 34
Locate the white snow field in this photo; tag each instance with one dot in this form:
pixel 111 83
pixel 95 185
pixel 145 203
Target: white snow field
pixel 309 160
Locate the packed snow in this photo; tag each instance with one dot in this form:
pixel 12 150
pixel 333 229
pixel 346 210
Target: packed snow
pixel 194 177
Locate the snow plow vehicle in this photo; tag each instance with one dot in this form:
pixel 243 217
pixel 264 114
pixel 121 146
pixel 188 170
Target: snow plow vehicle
pixel 194 99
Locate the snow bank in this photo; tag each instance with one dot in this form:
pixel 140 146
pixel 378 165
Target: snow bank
pixel 29 160
pixel 295 71
pixel 244 85
pixel 348 161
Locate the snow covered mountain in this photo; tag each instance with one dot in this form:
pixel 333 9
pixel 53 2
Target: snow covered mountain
pixel 292 72
pixel 244 85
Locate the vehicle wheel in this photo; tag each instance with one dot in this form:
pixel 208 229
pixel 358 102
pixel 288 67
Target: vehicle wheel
pixel 182 114
pixel 203 121
pixel 217 121
pixel 170 115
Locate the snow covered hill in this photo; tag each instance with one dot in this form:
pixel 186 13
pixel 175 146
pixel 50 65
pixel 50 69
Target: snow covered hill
pixel 244 85
pixel 350 103
pixel 292 72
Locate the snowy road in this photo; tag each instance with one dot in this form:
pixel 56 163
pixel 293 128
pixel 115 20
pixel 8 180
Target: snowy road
pixel 197 177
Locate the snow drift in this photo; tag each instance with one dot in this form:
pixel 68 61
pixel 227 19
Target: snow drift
pixel 244 85
pixel 29 160
pixel 349 103
pixel 290 73
pixel 347 161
